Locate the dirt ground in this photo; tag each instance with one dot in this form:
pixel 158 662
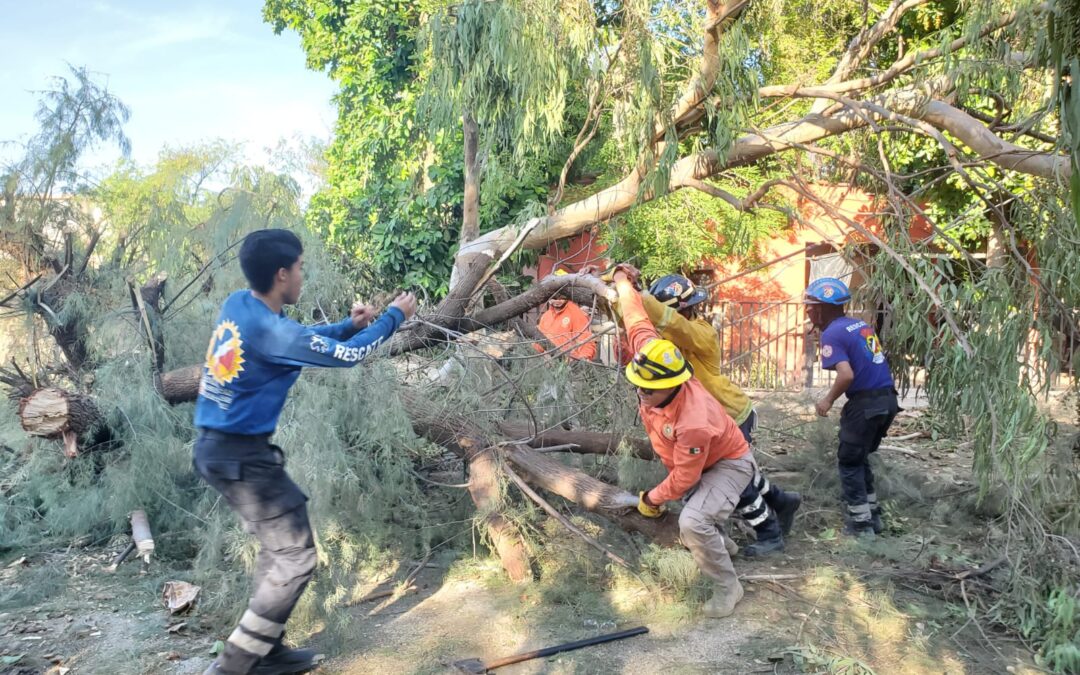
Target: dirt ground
pixel 827 605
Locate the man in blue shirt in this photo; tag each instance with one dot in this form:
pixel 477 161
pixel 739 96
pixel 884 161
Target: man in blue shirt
pixel 851 348
pixel 255 355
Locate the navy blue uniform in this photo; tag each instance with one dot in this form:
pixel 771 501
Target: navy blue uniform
pixel 254 357
pixel 865 419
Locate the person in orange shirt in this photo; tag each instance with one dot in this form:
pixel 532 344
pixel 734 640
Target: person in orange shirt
pixel 565 323
pixel 673 305
pixel 566 326
pixel 709 462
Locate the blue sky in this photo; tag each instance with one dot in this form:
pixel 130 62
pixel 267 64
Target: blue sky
pixel 189 71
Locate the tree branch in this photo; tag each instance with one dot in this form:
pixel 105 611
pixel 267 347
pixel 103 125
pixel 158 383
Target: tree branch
pixel 992 148
pixel 861 45
pixel 717 17
pixel 898 68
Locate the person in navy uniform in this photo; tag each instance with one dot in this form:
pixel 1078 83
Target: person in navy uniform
pixel 255 355
pixel 850 347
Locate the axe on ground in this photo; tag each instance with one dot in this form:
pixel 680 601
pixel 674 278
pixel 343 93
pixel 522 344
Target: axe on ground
pixel 477 666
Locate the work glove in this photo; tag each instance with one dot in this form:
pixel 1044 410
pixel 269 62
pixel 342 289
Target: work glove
pixel 648 510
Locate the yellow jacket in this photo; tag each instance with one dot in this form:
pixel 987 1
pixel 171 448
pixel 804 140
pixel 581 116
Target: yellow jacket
pixel 697 340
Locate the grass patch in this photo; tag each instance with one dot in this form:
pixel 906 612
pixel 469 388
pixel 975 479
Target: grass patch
pixel 32 587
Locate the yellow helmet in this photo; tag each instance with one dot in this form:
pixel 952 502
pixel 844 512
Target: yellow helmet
pixel 561 272
pixel 659 365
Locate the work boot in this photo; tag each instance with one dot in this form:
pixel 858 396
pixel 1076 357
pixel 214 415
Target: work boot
pixel 282 661
pixel 724 599
pixel 861 529
pixel 876 522
pixel 785 511
pixel 731 546
pixel 769 538
pixel 218 667
pixel 763 547
pixel 232 661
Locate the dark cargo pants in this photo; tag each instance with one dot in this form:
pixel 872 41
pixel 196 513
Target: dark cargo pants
pixel 864 421
pixel 760 499
pixel 249 473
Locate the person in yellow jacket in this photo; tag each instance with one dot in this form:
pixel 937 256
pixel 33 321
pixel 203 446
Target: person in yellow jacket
pixel 673 305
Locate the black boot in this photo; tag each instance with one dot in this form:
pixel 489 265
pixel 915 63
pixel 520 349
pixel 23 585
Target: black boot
pixel 861 529
pixel 876 522
pixel 785 509
pixel 282 661
pixel 875 512
pixel 764 547
pixel 769 538
pixel 232 661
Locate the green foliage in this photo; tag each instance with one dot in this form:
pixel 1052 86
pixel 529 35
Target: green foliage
pixel 1063 631
pixel 811 659
pixel 685 230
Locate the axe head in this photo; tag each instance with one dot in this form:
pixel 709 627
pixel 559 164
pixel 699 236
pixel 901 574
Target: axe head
pixel 475 666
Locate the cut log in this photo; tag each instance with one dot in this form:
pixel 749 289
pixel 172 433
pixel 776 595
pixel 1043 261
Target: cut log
pixel 180 385
pixel 55 413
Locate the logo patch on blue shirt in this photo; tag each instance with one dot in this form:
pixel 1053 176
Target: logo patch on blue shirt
pixel 319 344
pixel 225 355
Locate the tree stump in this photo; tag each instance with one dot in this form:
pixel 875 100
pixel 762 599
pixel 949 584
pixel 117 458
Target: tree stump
pixel 53 413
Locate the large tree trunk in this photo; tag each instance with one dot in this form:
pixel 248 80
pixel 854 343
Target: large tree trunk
pixel 456 432
pixel 484 490
pixel 483 482
pixel 470 211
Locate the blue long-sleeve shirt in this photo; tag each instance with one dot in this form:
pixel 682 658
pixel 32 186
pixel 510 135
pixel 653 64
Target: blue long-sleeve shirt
pixel 255 356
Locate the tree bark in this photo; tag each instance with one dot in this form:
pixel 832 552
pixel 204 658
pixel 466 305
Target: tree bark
pixel 470 212
pixel 448 316
pixel 484 490
pixel 622 196
pixel 461 435
pixel 463 440
pixel 56 413
pixel 147 306
pixel 180 385
pixel 987 144
pixel 591 494
pixel 587 442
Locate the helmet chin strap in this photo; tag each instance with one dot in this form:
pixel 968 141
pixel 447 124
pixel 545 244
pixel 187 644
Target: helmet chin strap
pixel 670 397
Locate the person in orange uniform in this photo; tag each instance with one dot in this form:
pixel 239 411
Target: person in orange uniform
pixel 565 323
pixel 673 304
pixel 709 462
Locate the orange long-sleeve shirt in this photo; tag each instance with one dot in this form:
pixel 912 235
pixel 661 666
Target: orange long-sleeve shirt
pixel 569 325
pixel 693 431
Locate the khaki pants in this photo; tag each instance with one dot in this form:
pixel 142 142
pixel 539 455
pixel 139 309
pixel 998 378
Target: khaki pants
pixel 708 506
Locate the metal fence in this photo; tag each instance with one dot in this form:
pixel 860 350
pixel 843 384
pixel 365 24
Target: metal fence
pixel 764 345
